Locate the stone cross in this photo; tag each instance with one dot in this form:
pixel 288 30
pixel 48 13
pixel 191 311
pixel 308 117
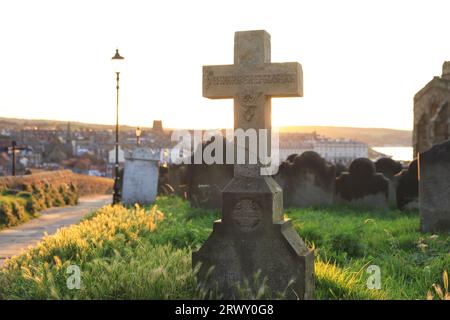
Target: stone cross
pixel 253 235
pixel 251 81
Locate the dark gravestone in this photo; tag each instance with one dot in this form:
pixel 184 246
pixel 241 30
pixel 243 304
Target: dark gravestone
pixel 340 169
pixel 362 186
pixel 389 168
pixel 205 182
pixel 434 188
pixel 307 180
pixel 176 178
pixel 408 188
pixel 292 157
pixel 253 235
pixel 282 178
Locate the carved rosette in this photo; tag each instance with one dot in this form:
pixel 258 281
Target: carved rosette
pixel 246 215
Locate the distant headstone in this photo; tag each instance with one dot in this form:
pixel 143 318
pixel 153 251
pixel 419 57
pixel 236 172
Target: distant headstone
pixel 434 188
pixel 362 186
pixel 177 178
pixel 408 188
pixel 253 234
pixel 205 182
pixel 307 180
pixel 340 168
pixel 390 168
pixel 140 177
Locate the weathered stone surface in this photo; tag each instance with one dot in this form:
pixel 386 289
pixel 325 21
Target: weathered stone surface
pixel 432 112
pixel 307 180
pixel 362 186
pixel 253 235
pixel 390 168
pixel 140 177
pixel 408 188
pixel 434 188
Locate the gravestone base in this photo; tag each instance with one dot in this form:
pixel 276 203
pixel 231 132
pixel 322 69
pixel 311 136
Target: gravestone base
pixel 254 237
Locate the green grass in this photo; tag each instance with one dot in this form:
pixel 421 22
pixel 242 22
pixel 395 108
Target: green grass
pixel 128 254
pixel 410 261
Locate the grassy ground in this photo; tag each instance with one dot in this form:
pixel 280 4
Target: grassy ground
pixel 146 254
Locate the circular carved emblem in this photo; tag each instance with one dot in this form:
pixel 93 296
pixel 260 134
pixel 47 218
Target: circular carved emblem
pixel 246 215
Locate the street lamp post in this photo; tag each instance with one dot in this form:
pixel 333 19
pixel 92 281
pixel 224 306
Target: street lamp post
pixel 117 65
pixel 138 136
pixel 13 150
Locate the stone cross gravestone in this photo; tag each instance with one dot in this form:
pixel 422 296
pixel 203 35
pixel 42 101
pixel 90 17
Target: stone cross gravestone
pixel 140 177
pixel 434 188
pixel 253 235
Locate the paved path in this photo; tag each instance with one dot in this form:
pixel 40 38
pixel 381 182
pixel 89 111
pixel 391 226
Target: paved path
pixel 15 239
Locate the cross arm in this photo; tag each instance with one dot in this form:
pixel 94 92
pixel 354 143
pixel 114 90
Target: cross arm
pixel 272 79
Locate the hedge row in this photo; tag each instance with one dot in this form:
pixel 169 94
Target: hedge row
pixel 19 206
pixel 86 185
pixel 22 197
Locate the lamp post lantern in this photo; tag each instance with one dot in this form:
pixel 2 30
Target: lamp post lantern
pixel 117 61
pixel 138 136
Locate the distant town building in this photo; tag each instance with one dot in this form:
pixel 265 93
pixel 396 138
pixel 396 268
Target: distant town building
pixel 332 150
pixel 431 112
pixel 112 156
pixel 157 126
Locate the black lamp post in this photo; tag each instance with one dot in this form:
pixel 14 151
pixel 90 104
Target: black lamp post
pixel 13 150
pixel 117 65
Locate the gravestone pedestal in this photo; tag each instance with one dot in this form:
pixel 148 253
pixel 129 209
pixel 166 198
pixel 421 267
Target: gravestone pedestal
pixel 253 236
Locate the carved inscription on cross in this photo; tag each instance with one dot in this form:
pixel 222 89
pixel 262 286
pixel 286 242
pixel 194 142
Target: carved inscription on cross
pixel 251 81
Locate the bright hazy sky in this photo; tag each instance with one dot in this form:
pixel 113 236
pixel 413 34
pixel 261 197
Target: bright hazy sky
pixel 363 61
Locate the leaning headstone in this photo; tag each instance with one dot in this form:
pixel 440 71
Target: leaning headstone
pixel 140 177
pixel 362 186
pixel 390 168
pixel 308 180
pixel 253 235
pixel 434 188
pixel 408 188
